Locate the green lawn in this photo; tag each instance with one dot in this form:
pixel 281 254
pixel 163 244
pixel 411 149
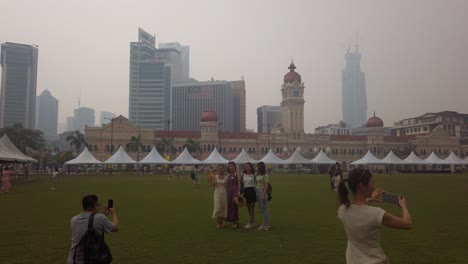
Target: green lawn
pixel 166 221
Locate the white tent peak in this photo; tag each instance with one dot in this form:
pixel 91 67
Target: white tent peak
pixel 391 158
pixel 185 158
pixel 154 158
pixel 120 157
pixel 11 152
pixel 414 159
pixel 271 158
pixel 369 158
pixel 85 157
pixel 243 158
pixel 322 158
pixel 453 159
pixel 297 158
pixel 434 159
pixel 215 158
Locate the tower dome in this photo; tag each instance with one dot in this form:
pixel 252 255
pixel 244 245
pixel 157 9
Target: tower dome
pixel 292 76
pixel 375 122
pixel 209 116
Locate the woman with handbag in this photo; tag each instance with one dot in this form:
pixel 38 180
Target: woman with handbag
pixel 248 188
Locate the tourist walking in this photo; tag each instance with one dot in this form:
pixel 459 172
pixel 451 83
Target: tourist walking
pixel 363 222
pixel 262 185
pixel 196 177
pixel 220 206
pixel 331 172
pixel 250 195
pixel 53 180
pixel 6 180
pixel 337 177
pixel 233 191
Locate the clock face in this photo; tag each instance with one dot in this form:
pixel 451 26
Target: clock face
pixel 296 93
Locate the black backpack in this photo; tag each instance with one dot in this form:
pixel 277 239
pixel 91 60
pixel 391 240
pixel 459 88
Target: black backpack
pixel 95 250
pixel 192 175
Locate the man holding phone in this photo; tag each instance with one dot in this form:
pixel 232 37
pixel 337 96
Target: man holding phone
pixel 101 224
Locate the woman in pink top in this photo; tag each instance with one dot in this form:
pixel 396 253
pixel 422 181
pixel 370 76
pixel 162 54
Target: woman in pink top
pixel 6 184
pixel 362 222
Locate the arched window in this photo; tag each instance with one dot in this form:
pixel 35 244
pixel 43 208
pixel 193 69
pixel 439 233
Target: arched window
pixel 253 150
pixel 234 150
pixel 250 150
pixel 224 149
pixel 107 148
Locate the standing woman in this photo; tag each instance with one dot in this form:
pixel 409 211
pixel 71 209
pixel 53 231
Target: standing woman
pixel 233 190
pixel 362 222
pixel 261 187
pixel 6 183
pixel 53 180
pixel 219 183
pixel 250 195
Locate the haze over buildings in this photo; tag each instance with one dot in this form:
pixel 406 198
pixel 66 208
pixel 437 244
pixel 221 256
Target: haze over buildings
pixel 412 60
pixel 47 114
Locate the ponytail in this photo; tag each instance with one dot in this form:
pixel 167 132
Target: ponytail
pixel 343 193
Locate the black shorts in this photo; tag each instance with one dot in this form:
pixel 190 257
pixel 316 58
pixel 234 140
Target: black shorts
pixel 250 194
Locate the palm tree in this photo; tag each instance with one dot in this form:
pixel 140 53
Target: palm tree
pixel 135 145
pixel 193 145
pixel 77 140
pixel 168 144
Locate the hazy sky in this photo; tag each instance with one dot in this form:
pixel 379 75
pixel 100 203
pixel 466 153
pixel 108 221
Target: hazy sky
pixel 414 53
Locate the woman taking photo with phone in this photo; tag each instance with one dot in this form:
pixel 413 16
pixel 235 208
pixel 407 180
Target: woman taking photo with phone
pixel 248 180
pixel 362 222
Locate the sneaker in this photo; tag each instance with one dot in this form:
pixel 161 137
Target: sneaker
pixel 266 227
pixel 261 227
pixel 247 226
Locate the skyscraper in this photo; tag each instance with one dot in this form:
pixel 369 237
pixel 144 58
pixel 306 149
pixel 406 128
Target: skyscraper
pixel 47 114
pixel 238 95
pixel 189 100
pixel 84 116
pixel 184 57
pixel 150 85
pixel 18 89
pixel 267 118
pixel 353 96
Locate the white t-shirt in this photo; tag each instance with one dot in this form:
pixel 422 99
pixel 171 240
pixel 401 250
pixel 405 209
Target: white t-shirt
pixel 249 180
pixel 362 225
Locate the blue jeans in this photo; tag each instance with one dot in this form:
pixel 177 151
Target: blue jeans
pixel 263 206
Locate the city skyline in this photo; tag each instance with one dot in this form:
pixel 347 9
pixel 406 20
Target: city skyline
pixel 409 58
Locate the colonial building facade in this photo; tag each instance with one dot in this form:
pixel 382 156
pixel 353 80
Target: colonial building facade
pixel 287 136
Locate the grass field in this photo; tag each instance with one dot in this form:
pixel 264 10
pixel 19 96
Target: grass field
pixel 166 221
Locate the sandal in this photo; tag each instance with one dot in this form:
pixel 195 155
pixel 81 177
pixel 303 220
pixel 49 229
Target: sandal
pixel 236 226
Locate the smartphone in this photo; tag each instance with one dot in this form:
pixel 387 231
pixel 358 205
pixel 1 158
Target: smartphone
pixel 390 198
pixel 110 203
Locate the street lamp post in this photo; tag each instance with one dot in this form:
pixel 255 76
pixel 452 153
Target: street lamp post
pixel 220 124
pixel 168 121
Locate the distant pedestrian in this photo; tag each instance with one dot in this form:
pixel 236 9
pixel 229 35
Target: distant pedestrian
pixel 6 181
pixel 196 177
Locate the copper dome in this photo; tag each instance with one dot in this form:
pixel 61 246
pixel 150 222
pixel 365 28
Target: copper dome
pixel 374 122
pixel 209 116
pixel 292 76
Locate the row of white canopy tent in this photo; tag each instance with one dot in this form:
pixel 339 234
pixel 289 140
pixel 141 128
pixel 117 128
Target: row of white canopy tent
pixel 185 158
pixel 9 152
pixel 412 159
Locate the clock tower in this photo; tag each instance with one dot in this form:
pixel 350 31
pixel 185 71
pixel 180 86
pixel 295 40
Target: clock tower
pixel 292 105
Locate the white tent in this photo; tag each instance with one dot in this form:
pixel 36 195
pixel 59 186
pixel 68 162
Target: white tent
pixel 271 158
pixel 433 159
pixel 215 158
pixel 11 153
pixel 391 158
pixel 186 159
pixel 154 158
pixel 85 157
pixel 243 158
pixel 466 160
pixel 369 158
pixel 297 158
pixel 452 159
pixel 120 157
pixel 322 158
pixel 413 159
